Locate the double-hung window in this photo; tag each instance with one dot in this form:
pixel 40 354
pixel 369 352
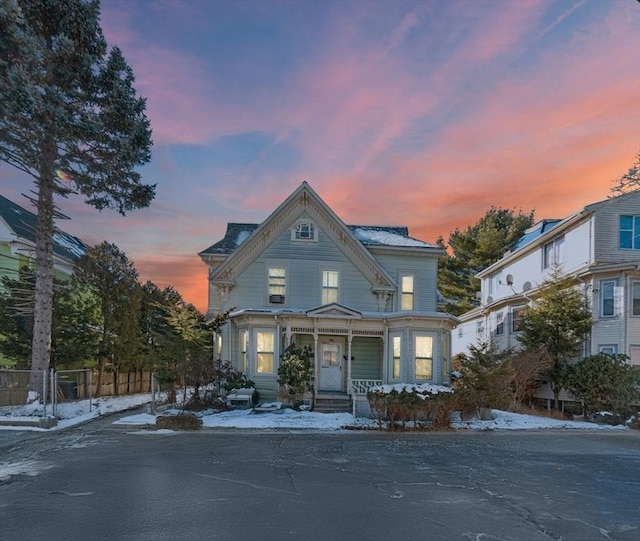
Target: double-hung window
pixel 553 253
pixel 330 286
pixel 608 290
pixel 304 230
pixel 243 350
pixel 265 352
pixel 407 292
pixel 630 232
pixel 516 318
pixel 396 350
pixel 499 323
pixel 424 357
pixel 494 282
pixel 635 299
pixel 277 284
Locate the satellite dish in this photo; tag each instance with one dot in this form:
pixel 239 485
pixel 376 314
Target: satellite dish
pixel 526 286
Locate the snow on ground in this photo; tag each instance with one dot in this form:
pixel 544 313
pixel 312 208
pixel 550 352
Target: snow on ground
pixel 73 413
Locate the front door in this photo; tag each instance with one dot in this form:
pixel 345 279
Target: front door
pixel 330 366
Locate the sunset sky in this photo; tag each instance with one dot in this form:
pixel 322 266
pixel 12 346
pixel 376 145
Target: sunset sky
pixel 396 112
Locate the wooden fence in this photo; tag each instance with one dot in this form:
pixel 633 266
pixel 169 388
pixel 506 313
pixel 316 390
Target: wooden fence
pixel 73 385
pixel 125 384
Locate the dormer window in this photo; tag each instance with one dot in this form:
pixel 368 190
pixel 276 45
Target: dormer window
pixel 304 230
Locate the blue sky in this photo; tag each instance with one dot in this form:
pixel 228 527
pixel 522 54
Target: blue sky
pixel 396 112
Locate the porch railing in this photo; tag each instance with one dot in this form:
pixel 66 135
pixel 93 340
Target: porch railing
pixel 362 386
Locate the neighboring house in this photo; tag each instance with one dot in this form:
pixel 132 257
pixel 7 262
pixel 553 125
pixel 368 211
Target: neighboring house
pixel 18 241
pixel 363 297
pixel 599 246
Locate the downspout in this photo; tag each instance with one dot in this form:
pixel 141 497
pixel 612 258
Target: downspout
pixel 385 352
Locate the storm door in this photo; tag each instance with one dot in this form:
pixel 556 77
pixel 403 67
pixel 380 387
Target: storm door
pixel 330 366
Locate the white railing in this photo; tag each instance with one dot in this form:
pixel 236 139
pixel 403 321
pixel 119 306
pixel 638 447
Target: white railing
pixel 362 386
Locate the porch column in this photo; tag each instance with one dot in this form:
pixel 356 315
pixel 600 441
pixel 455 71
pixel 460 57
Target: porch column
pixel 316 360
pixel 287 334
pixel 349 339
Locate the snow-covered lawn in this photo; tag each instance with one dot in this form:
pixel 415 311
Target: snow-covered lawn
pixel 73 413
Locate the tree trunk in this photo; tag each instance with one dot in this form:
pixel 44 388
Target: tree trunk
pixel 43 304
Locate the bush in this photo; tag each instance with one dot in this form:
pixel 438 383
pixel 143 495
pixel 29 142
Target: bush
pixel 484 379
pixel 604 382
pixel 295 373
pixel 416 406
pixel 182 421
pixel 528 370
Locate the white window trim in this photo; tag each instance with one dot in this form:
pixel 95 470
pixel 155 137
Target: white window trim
pixel 602 283
pixel 392 337
pixel 511 313
pixel 433 354
pixel 277 265
pixel 612 347
pixel 633 231
pixel 499 321
pixel 635 286
pixel 411 275
pixel 243 346
pixel 557 252
pixel 337 289
pixel 255 352
pixel 295 235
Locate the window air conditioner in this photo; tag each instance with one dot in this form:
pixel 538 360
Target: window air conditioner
pixel 276 299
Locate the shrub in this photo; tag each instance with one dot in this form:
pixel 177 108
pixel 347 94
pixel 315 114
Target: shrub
pixel 182 421
pixel 295 373
pixel 528 370
pixel 418 406
pixel 485 378
pixel 604 382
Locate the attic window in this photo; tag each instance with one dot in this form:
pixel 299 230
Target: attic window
pixel 304 230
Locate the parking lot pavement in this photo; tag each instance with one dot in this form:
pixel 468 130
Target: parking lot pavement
pixel 121 483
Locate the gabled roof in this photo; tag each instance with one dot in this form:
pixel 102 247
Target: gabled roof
pixel 23 225
pixel 546 230
pixel 244 242
pixel 335 310
pixel 368 235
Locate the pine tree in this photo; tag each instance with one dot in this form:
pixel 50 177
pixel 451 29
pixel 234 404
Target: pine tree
pixel 70 119
pixel 473 250
pixel 556 325
pixel 113 279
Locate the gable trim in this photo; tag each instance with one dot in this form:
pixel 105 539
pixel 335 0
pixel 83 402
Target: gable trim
pixel 302 200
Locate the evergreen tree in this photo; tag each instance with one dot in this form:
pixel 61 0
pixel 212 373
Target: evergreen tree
pixel 194 362
pixel 71 324
pixel 113 279
pixel 474 249
pixel 70 119
pixel 556 325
